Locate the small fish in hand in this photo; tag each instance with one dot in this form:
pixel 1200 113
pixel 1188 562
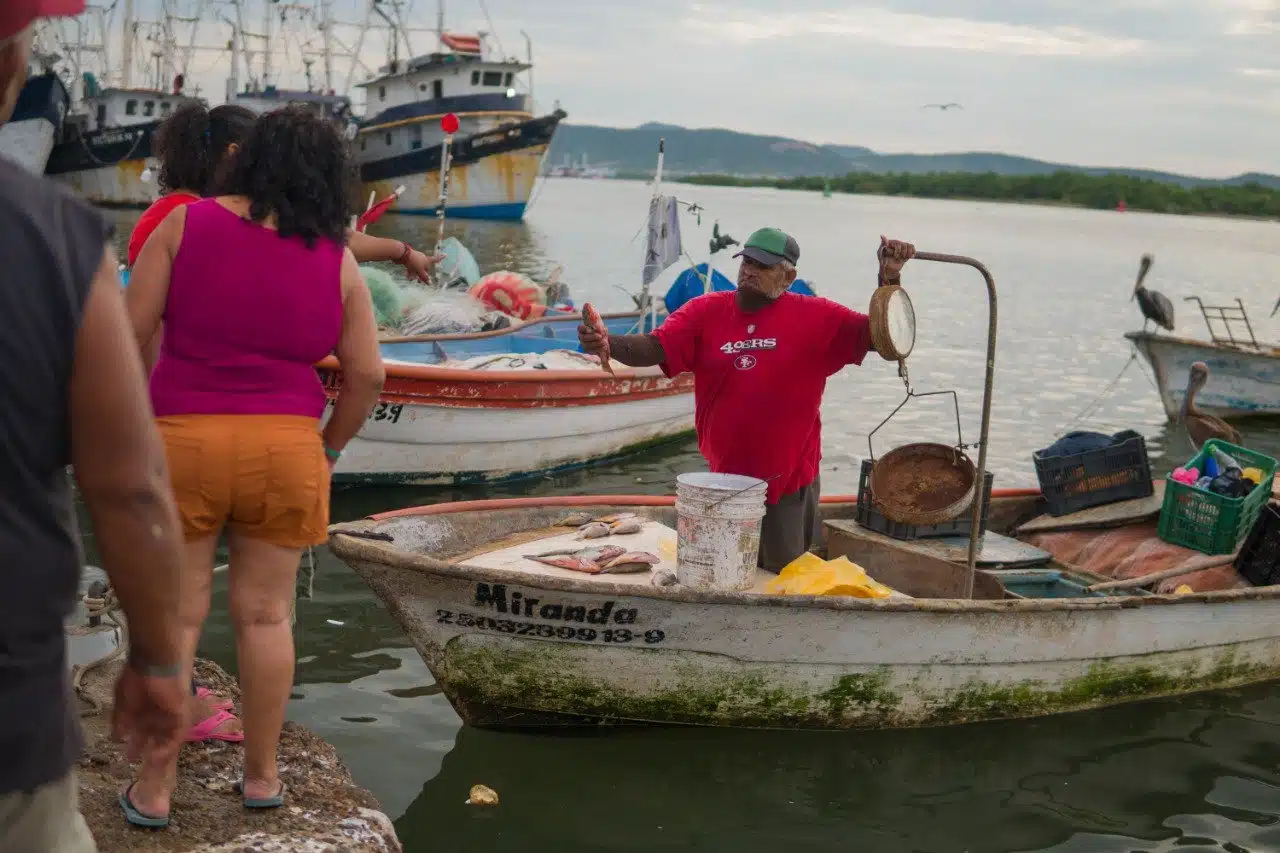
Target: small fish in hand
pixel 591 317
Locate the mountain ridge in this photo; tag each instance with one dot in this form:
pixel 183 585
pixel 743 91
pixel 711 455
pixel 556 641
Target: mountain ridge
pixel 695 151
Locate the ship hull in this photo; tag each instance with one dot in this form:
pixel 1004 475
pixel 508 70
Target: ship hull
pixel 106 166
pixel 491 176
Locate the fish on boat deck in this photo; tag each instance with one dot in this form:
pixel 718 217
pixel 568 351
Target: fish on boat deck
pixel 607 559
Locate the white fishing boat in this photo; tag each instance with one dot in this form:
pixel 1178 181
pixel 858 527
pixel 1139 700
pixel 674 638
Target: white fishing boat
pixel 444 425
pixel 515 643
pixel 1246 373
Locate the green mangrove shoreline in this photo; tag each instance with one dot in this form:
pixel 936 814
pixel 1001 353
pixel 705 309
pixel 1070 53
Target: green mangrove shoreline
pixel 1061 189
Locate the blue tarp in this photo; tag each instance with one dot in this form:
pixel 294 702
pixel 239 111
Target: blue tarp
pixel 689 285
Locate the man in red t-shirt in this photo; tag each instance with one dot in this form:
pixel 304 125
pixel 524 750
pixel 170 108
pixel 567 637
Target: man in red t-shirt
pixel 760 358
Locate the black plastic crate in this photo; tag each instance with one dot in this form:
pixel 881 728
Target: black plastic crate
pixel 1259 559
pixel 1116 473
pixel 872 519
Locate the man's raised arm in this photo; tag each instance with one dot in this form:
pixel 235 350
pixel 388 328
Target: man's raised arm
pixel 631 350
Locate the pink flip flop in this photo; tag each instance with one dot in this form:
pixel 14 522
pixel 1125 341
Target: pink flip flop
pixel 207 729
pixel 205 693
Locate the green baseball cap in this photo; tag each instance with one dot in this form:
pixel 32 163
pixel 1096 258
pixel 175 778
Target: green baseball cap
pixel 770 246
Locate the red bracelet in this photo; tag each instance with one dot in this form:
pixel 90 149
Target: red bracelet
pixel 408 250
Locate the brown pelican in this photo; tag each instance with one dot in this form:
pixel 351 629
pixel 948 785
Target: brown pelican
pixel 1156 307
pixel 1199 426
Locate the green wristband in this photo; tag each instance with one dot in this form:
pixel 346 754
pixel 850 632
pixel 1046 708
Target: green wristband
pixel 335 455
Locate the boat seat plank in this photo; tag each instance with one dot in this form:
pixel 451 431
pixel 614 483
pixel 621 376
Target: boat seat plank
pixel 994 549
pixel 1108 515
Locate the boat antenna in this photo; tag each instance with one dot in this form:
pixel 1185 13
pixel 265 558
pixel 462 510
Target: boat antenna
pixel 647 302
pixel 449 124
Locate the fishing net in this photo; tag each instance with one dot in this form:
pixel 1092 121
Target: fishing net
pixel 1130 552
pixel 405 307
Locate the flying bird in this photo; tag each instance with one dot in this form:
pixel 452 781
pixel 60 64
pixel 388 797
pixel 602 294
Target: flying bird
pixel 1156 307
pixel 1199 426
pixel 943 107
pixel 720 241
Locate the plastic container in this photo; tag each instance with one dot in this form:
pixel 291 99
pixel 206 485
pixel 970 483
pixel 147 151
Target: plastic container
pixel 1259 559
pixel 1116 473
pixel 872 519
pixel 1214 524
pixel 718 530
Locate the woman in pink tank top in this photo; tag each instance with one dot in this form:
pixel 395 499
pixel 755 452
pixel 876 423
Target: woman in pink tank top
pixel 254 287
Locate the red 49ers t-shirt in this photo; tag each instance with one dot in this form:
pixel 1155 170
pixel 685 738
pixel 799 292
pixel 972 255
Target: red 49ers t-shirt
pixel 759 377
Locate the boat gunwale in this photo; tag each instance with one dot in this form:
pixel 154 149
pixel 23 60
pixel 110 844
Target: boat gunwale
pixel 434 373
pixel 520 325
pixel 1264 350
pixel 352 549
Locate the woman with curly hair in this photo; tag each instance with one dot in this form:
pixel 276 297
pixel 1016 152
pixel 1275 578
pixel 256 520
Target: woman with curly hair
pixel 194 146
pixel 255 286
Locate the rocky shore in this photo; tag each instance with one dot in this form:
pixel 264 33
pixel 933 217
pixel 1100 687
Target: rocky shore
pixel 324 810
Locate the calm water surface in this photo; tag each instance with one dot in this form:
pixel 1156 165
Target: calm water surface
pixel 1194 774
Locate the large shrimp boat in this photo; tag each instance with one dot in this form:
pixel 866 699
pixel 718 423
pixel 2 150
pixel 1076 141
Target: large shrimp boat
pixel 496 154
pixel 103 146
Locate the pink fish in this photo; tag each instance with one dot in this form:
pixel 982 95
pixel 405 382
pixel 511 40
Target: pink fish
pixel 587 560
pixel 574 564
pixel 628 562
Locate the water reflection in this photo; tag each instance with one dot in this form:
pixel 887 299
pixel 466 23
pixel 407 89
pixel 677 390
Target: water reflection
pixel 1125 778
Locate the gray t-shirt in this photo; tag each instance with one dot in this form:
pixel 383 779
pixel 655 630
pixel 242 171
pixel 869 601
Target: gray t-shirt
pixel 51 244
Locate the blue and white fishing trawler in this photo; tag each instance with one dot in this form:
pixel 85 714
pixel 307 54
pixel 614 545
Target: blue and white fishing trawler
pixel 497 152
pixel 107 140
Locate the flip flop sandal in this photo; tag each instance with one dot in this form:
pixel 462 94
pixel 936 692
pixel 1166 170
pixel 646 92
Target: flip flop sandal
pixel 206 693
pixel 266 802
pixel 136 817
pixel 207 729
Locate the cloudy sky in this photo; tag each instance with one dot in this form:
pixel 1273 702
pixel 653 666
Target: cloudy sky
pixel 1185 85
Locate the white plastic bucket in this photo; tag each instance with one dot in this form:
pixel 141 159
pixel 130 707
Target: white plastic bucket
pixel 718 530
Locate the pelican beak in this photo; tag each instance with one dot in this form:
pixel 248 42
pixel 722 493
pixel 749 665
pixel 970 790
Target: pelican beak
pixel 1186 399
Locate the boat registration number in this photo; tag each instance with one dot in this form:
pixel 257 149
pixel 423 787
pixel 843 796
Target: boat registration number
pixel 550 632
pixel 383 412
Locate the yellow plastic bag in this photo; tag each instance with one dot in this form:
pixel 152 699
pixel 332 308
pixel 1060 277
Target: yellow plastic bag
pixel 809 574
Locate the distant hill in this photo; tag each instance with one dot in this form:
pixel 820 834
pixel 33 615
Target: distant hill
pixel 728 152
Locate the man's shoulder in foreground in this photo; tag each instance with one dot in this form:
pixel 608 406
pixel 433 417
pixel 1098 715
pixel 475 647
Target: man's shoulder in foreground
pixel 66 227
pixel 19 188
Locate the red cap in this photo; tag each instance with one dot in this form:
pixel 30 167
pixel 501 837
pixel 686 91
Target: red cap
pixel 15 15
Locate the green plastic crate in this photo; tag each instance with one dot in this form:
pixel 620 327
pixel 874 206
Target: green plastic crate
pixel 1211 523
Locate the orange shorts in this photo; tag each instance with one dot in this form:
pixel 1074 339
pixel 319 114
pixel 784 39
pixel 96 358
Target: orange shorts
pixel 265 476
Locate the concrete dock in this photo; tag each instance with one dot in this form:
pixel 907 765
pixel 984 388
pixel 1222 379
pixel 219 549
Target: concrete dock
pixel 324 810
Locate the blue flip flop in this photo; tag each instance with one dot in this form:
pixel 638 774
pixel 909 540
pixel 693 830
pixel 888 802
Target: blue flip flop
pixel 265 802
pixel 136 817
